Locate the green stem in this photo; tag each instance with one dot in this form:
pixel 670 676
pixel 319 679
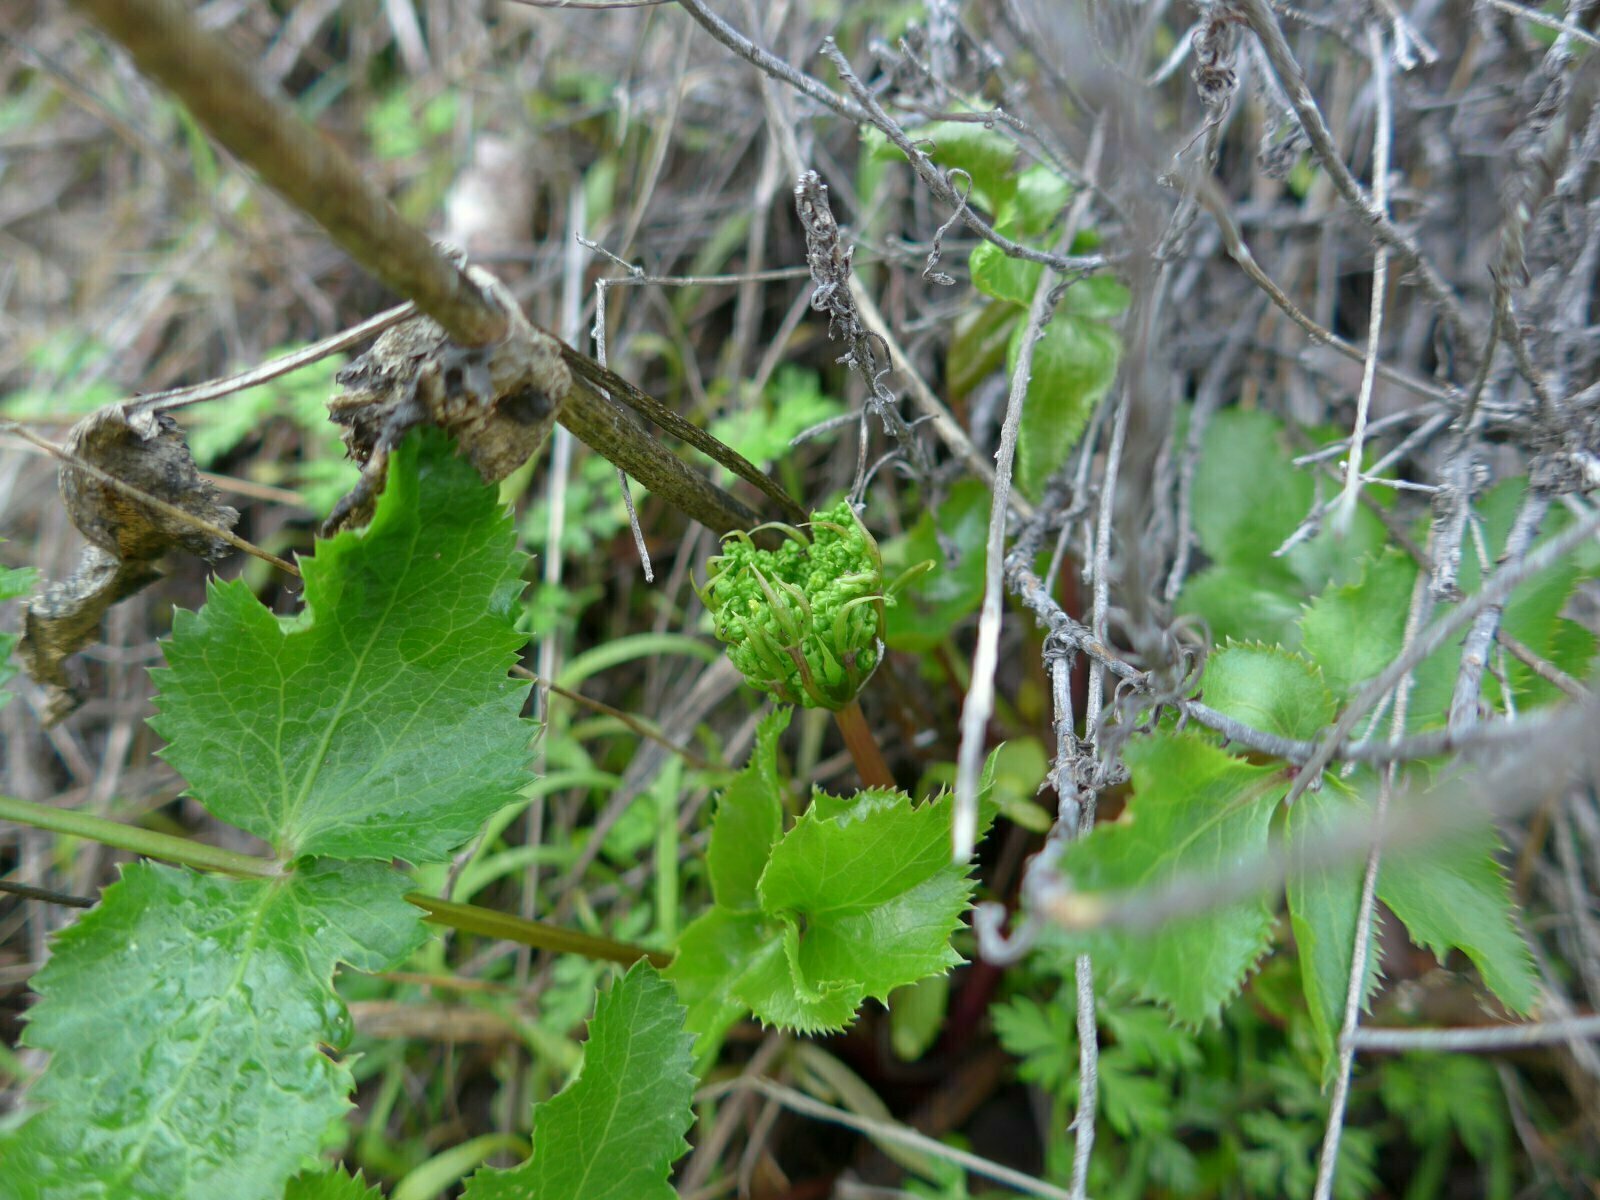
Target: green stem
pixel 863 746
pixel 469 918
pixel 137 841
pixel 466 917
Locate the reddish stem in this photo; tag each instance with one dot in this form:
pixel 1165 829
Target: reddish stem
pixel 863 746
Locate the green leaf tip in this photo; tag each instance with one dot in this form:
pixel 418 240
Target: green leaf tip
pixel 380 722
pixel 803 623
pixel 614 1132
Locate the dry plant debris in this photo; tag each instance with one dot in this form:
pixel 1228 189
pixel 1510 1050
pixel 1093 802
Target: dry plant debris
pixel 114 453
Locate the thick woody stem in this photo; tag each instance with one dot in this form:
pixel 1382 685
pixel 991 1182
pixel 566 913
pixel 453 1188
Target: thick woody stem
pixel 309 171
pixel 297 161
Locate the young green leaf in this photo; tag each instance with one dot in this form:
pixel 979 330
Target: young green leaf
pixel 986 154
pixel 1195 811
pixel 1269 688
pixel 1353 631
pixel 748 821
pixel 1074 363
pixel 1455 896
pixel 858 898
pixel 1323 906
pixel 185 1017
pixel 380 722
pixel 614 1132
pixel 1249 497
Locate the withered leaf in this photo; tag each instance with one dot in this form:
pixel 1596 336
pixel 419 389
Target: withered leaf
pixel 499 402
pixel 145 451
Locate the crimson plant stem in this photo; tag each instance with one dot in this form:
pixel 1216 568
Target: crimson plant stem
pixel 863 746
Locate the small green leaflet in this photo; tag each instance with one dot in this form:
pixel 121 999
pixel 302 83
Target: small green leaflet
pixel 1074 364
pixel 857 898
pixel 185 1016
pixel 1248 499
pixel 1196 811
pixel 613 1132
pixel 14 582
pixel 380 722
pixel 987 155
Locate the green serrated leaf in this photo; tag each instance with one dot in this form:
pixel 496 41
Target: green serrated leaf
pixel 858 898
pixel 1456 896
pixel 1196 812
pixel 614 1132
pixel 876 890
pixel 379 723
pixel 1269 688
pixel 1245 604
pixel 748 821
pixel 1323 906
pixel 714 951
pixel 1353 631
pixel 185 1016
pixel 333 1184
pixel 1074 363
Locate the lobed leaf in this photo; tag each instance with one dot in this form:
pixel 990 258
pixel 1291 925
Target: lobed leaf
pixel 1196 812
pixel 858 898
pixel 380 722
pixel 186 1016
pixel 1455 896
pixel 613 1132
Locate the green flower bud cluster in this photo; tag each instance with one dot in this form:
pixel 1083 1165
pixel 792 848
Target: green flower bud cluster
pixel 804 622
